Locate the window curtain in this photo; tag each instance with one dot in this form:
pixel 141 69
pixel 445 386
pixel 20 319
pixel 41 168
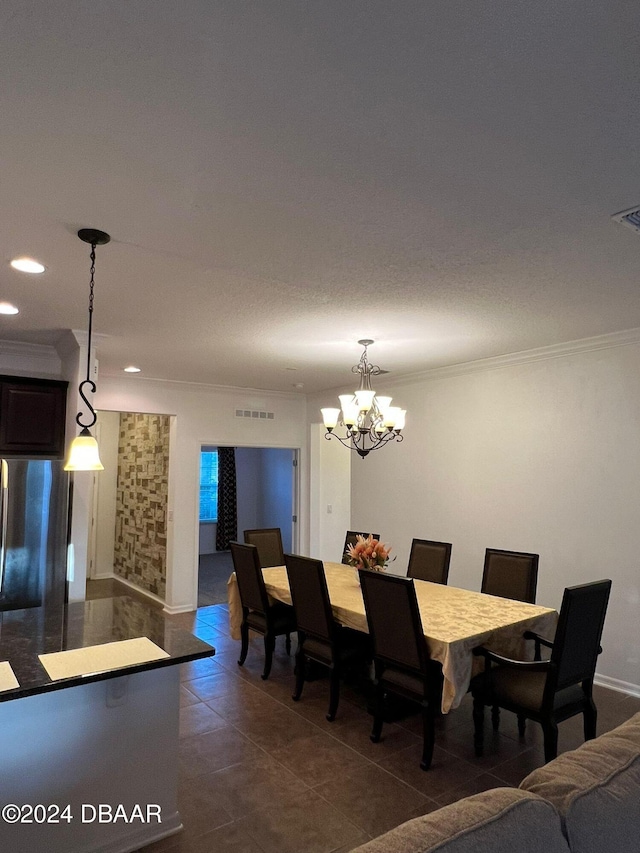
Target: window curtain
pixel 227 529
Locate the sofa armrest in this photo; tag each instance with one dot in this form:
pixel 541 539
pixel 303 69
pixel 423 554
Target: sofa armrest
pixel 501 820
pixel 596 789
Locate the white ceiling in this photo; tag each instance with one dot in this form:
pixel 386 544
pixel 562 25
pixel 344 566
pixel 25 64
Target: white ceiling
pixel 281 178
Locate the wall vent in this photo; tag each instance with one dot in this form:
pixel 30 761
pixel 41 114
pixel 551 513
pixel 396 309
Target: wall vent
pixel 255 414
pixel 630 218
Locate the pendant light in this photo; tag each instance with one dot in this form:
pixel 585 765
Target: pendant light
pixel 83 453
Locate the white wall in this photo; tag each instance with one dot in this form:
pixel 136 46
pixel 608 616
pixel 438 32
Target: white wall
pixel 330 499
pixel 207 537
pixel 542 457
pixel 248 488
pixel 203 415
pixel 107 433
pixel 276 492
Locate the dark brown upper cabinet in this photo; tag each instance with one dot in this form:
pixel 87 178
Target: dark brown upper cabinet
pixel 32 417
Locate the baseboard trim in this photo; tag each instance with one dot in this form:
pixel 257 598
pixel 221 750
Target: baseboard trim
pixel 155 598
pixel 616 684
pixel 171 610
pixel 178 608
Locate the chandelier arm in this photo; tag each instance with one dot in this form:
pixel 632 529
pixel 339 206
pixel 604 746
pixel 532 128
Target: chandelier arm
pixel 345 442
pixel 355 440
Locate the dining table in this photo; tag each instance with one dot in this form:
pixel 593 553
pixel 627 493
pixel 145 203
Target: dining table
pixel 454 621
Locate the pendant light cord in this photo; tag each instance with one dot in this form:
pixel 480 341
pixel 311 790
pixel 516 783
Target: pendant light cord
pixel 89 381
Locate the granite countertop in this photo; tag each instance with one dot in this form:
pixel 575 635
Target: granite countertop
pixel 25 634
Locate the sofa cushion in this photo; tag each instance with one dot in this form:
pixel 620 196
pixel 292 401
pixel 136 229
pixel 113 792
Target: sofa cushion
pixel 596 789
pixel 502 820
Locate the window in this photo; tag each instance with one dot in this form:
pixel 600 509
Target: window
pixel 209 485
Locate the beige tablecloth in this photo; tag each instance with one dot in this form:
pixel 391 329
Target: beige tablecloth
pixel 454 621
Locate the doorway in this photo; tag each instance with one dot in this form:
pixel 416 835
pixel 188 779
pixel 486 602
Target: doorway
pixel 128 532
pixel 267 496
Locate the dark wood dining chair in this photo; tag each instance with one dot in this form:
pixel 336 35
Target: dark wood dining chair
pixel 351 538
pixel 268 541
pixel 320 638
pixel 510 574
pixel 429 561
pixel 258 614
pixel 401 656
pixel 548 691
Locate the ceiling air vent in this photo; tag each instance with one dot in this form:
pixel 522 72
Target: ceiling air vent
pixel 256 415
pixel 630 218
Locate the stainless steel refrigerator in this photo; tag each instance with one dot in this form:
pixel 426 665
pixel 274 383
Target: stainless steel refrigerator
pixel 34 532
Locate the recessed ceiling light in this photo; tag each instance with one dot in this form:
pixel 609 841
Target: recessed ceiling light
pixel 27 265
pixel 132 369
pixel 8 308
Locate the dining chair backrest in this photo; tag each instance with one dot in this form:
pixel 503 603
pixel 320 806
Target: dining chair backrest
pixel 246 564
pixel 577 641
pixel 394 620
pixel 268 541
pixel 351 538
pixel 310 597
pixel 429 561
pixel 510 574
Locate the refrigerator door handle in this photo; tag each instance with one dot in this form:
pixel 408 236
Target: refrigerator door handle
pixel 4 514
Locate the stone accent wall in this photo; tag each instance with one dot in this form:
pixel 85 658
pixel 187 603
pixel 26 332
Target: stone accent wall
pixel 141 501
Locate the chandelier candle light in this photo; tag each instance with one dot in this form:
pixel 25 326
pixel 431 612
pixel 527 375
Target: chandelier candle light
pixel 83 453
pixel 370 421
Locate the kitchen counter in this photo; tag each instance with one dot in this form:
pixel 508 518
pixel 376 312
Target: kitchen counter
pixel 26 634
pixel 90 762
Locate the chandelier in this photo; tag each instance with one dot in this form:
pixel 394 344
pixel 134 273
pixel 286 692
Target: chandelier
pixel 83 453
pixel 370 421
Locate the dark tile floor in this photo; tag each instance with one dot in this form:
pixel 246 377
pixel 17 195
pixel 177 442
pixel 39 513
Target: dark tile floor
pixel 262 774
pixel 213 574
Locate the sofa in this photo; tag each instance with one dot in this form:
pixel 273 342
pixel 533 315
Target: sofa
pixel 584 801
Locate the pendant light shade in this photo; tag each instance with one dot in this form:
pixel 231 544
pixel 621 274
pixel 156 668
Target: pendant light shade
pixel 83 453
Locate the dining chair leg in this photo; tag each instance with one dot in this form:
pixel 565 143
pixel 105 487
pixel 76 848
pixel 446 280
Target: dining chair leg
pixel 378 714
pixel 495 717
pixel 269 646
pixel 334 693
pixel 428 734
pixel 550 732
pixel 522 724
pixel 590 719
pixel 299 673
pixel 244 636
pixel 287 644
pixel 478 725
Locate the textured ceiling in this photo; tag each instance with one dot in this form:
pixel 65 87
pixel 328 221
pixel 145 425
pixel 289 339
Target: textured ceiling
pixel 282 178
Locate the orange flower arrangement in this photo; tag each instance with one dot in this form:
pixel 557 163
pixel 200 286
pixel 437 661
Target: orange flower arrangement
pixel 368 553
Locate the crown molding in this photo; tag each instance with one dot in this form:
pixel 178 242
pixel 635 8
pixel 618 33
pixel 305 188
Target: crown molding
pixel 17 357
pixel 203 386
pixel 73 339
pixel 608 341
